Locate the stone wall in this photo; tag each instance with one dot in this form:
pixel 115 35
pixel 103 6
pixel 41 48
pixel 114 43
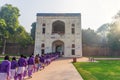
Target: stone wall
pixel 95 51
pixel 16 49
pixel 87 50
pixel 99 51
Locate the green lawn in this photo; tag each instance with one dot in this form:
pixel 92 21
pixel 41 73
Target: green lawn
pixel 102 70
pixel 1 58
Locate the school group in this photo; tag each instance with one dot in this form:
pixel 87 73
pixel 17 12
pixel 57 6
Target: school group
pixel 24 67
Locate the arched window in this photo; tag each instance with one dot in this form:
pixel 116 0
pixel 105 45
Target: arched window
pixel 58 27
pixel 73 25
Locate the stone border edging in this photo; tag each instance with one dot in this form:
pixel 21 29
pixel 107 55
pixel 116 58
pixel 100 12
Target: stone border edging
pixel 106 58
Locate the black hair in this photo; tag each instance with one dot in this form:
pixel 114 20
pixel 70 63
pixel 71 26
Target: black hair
pixel 6 57
pixel 30 56
pixel 25 57
pixel 21 55
pixel 14 58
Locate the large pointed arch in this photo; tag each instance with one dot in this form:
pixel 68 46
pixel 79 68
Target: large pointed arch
pixel 58 27
pixel 58 46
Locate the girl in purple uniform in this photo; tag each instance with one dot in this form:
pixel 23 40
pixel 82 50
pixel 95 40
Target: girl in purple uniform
pixel 31 64
pixel 21 67
pixel 5 69
pixel 26 66
pixel 14 65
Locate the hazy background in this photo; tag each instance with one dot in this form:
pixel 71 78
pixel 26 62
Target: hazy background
pixel 94 12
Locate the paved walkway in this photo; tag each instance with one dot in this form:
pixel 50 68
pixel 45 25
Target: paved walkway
pixel 61 69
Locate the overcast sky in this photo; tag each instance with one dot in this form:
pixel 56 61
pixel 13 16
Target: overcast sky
pixel 94 12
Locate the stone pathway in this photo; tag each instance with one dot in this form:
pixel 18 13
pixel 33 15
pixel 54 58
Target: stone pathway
pixel 61 69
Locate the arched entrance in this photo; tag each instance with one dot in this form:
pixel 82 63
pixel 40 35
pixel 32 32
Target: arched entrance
pixel 58 46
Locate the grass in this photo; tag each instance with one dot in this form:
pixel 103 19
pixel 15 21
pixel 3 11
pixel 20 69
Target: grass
pixel 1 58
pixel 102 70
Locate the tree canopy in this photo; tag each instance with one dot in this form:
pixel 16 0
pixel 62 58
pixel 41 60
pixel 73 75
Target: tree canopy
pixel 10 26
pixel 90 37
pixel 33 30
pixel 110 32
pixel 2 26
pixel 114 33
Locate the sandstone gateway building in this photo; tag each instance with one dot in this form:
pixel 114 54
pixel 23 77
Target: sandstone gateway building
pixel 58 32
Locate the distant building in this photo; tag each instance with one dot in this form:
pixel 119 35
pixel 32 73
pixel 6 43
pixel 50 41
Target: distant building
pixel 58 32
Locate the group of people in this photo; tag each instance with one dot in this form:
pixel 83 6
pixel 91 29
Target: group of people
pixel 23 67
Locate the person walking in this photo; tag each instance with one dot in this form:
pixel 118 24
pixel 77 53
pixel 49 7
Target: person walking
pixel 21 68
pixel 5 69
pixel 13 70
pixel 31 64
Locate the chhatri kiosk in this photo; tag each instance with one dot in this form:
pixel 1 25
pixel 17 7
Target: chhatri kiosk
pixel 58 32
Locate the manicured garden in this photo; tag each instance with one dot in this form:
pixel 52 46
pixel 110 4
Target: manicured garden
pixel 101 70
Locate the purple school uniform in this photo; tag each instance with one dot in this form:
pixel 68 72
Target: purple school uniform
pixel 21 62
pixel 21 68
pixel 5 69
pixel 25 72
pixel 14 64
pixel 30 66
pixel 31 61
pixel 42 59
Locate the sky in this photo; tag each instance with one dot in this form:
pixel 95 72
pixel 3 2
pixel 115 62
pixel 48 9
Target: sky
pixel 94 13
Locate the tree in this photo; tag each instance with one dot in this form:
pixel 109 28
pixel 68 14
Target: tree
pixel 33 30
pixel 117 16
pixel 2 26
pixel 10 14
pixel 114 33
pixel 23 38
pixel 103 32
pixel 114 36
pixel 14 32
pixel 90 37
pixel 104 28
pixel 2 30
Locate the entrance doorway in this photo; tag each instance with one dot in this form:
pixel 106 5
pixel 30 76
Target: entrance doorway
pixel 58 46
